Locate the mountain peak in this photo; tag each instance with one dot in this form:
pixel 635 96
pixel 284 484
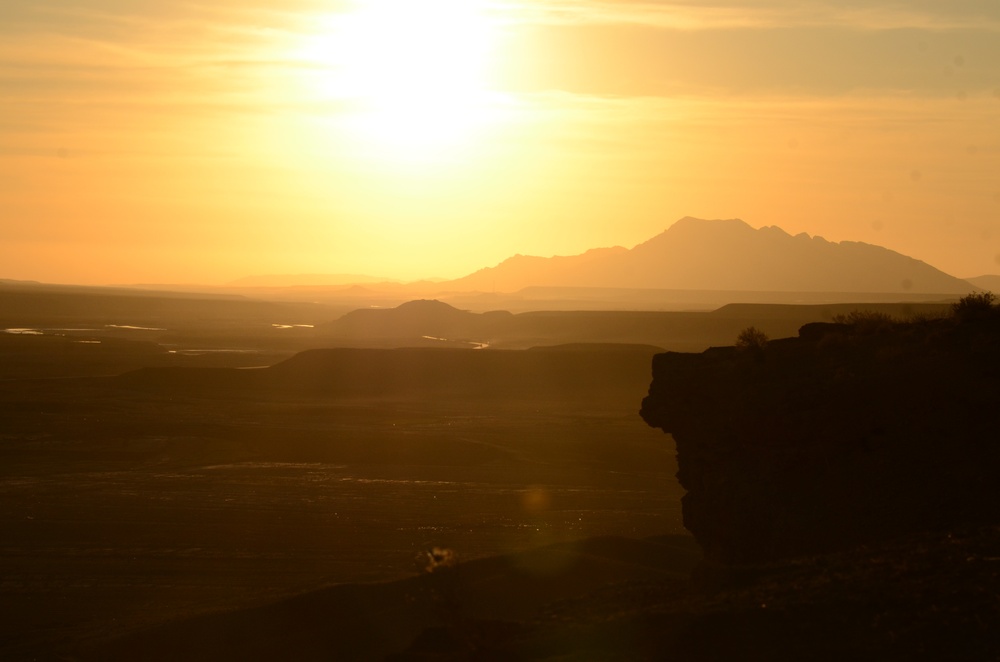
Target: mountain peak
pixel 726 255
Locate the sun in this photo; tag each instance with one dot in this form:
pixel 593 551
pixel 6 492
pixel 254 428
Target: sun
pixel 412 72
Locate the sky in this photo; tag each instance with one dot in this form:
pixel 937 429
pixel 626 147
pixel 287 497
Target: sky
pixel 190 142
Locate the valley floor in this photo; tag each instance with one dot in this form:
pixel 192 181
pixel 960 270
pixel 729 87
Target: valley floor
pixel 123 508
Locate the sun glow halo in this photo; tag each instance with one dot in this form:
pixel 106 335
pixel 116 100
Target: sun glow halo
pixel 414 71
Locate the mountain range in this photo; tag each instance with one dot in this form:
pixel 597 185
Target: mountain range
pixel 696 254
pixel 694 263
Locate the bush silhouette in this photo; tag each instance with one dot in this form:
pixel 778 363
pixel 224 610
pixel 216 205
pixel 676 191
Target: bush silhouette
pixel 751 339
pixel 977 305
pixel 866 321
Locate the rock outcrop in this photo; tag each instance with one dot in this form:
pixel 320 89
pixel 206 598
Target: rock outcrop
pixel 845 435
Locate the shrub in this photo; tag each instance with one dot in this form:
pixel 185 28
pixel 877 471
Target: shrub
pixel 751 339
pixel 441 568
pixel 439 558
pixel 866 321
pixel 976 305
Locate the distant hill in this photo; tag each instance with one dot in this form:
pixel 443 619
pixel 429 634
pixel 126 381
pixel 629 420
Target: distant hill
pixel 30 304
pixel 428 319
pixel 695 254
pixel 438 324
pixel 989 282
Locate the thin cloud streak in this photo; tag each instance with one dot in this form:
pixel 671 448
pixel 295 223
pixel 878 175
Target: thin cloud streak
pixel 141 36
pixel 697 16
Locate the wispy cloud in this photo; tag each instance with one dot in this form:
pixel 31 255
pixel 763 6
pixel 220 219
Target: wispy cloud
pixel 113 63
pixel 761 14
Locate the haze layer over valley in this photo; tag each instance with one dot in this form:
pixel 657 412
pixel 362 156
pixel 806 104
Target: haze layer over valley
pixel 693 265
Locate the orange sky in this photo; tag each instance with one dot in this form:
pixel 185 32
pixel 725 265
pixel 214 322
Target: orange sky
pixel 181 143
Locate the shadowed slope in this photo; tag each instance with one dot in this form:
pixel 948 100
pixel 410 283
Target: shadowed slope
pixel 618 375
pixel 367 622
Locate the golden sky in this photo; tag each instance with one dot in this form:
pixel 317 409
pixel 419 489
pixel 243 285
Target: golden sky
pixel 183 142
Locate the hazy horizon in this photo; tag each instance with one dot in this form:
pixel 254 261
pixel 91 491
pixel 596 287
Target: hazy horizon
pixel 339 279
pixel 176 143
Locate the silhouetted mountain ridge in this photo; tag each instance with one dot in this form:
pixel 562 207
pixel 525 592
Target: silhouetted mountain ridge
pixel 724 255
pixel 987 282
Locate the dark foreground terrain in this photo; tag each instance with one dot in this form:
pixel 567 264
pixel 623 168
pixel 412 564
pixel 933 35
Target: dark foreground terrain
pixel 167 496
pixel 925 597
pixel 219 515
pixel 132 501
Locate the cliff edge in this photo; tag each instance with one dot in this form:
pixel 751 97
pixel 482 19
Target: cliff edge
pixel 847 434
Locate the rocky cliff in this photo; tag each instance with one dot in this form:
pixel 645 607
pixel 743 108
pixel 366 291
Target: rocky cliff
pixel 847 434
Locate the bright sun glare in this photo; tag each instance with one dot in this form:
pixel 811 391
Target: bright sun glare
pixel 414 70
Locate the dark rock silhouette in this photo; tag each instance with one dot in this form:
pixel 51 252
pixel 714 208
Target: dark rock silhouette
pixel 695 254
pixel 844 435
